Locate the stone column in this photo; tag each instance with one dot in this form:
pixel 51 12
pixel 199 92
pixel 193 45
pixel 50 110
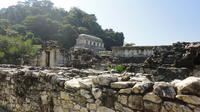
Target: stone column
pixel 43 59
pixel 52 58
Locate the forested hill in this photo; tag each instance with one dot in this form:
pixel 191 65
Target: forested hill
pixel 39 20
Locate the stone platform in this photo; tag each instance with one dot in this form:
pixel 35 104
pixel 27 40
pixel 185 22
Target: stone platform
pixel 28 89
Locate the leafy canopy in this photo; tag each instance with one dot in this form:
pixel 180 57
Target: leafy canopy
pixel 50 23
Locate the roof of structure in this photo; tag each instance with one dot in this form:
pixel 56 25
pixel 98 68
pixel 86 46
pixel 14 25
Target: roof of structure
pixel 89 37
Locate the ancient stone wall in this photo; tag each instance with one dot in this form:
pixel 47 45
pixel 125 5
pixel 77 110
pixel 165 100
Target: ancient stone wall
pixel 27 89
pixel 135 51
pixel 134 54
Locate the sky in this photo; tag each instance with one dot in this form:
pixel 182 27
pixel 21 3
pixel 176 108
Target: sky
pixel 143 22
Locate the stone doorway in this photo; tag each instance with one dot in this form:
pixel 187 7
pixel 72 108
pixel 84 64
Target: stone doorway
pixel 47 58
pixel 197 60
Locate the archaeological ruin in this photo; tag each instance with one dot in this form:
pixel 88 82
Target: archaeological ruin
pixel 89 42
pixel 126 79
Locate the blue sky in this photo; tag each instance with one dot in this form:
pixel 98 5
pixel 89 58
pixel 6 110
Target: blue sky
pixel 144 22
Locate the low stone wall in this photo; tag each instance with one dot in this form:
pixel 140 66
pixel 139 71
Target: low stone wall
pixel 26 89
pixel 134 51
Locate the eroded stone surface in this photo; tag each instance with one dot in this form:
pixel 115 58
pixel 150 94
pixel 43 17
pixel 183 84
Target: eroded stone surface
pixel 191 99
pixel 163 89
pixel 152 97
pixel 189 86
pixel 174 107
pixel 104 80
pixel 58 90
pixel 141 87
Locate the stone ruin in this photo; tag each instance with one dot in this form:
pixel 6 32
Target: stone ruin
pixel 28 89
pixel 50 55
pixel 167 81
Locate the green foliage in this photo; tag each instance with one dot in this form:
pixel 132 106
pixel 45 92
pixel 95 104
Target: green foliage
pixel 120 68
pixel 129 44
pixel 50 23
pixel 14 49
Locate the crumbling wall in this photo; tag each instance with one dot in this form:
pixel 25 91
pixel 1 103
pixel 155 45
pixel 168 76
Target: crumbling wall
pixel 85 58
pixel 134 54
pixel 25 89
pixel 178 55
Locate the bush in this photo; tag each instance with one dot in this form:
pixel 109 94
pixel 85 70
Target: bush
pixel 120 68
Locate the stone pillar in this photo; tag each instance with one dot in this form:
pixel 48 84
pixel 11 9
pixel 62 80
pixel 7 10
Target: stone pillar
pixel 52 58
pixel 43 59
pixel 59 58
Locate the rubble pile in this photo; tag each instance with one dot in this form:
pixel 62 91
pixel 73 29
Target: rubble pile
pixel 28 89
pixel 83 58
pixel 178 55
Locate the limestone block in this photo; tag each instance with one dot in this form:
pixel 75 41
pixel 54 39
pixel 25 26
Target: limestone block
pixel 64 95
pixel 174 107
pixel 151 107
pixel 104 80
pixel 125 91
pixel 85 83
pixel 83 109
pixel 104 109
pixel 97 93
pixel 163 89
pixel 152 97
pixel 58 109
pixel 141 87
pixel 123 99
pixel 73 83
pixel 197 109
pixel 135 102
pixel 121 108
pixel 77 107
pixel 189 99
pixel 68 105
pixel 85 93
pixel 189 85
pixel 92 106
pixel 122 84
pixel 44 99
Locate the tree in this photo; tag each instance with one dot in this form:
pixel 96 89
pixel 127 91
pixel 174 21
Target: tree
pixel 14 49
pixel 47 22
pixel 67 36
pixel 41 26
pixel 129 44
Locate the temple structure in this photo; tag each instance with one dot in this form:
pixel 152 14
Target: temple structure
pixel 89 42
pixel 50 55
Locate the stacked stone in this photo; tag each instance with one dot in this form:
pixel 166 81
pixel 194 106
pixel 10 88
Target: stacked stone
pixel 73 90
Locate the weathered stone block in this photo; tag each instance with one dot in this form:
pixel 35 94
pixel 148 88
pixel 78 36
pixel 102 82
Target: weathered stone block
pixel 123 99
pixel 65 95
pixel 152 97
pixel 125 91
pixel 191 99
pixel 190 85
pixel 163 89
pixel 174 107
pixel 97 93
pixel 122 84
pixel 151 107
pixel 142 87
pixel 58 109
pixel 135 102
pixel 104 109
pixel 104 80
pixel 44 99
pixel 85 93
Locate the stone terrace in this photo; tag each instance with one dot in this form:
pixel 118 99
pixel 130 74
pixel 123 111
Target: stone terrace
pixel 27 89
